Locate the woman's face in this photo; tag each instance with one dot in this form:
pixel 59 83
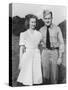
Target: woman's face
pixel 32 23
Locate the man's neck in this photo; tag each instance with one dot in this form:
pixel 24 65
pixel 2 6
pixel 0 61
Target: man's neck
pixel 50 26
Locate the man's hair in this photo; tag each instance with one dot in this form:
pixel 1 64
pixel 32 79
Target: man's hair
pixel 46 12
pixel 27 19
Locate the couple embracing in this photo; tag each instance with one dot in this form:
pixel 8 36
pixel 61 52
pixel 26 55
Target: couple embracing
pixel 37 65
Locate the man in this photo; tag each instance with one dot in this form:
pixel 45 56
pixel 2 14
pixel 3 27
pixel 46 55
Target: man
pixel 53 48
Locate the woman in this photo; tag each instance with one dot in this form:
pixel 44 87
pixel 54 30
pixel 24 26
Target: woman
pixel 30 59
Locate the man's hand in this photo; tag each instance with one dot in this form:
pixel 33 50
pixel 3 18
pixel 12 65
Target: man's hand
pixel 43 44
pixel 59 61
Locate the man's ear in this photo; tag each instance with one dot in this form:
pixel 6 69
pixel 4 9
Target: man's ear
pixel 52 17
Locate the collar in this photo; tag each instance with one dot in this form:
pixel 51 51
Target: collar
pixel 30 32
pixel 51 26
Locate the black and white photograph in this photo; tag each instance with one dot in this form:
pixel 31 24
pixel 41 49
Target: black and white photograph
pixel 37 44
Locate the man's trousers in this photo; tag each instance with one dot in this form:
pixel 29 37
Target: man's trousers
pixel 49 64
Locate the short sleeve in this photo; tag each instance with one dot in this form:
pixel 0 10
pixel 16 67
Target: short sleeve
pixel 22 39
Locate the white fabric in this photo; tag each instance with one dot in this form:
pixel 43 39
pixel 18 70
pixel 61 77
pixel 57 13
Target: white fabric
pixel 30 72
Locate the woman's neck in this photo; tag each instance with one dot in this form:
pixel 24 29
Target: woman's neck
pixel 32 30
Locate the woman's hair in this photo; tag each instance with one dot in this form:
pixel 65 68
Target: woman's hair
pixel 27 19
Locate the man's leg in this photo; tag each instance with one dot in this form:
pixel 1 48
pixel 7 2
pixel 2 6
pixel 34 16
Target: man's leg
pixel 45 66
pixel 53 60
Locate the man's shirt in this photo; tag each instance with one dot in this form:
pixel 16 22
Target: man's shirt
pixel 56 38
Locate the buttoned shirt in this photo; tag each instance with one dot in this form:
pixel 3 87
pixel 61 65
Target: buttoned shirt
pixel 56 38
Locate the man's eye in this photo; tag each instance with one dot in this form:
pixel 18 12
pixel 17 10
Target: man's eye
pixel 47 18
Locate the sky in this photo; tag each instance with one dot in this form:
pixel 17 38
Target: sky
pixel 20 9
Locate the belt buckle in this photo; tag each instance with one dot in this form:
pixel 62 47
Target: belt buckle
pixel 52 48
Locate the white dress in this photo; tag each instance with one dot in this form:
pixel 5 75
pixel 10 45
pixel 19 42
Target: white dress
pixel 30 72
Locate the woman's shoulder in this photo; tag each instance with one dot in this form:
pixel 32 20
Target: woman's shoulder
pixel 23 33
pixel 38 33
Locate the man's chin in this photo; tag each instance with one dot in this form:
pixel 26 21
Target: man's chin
pixel 48 24
pixel 33 28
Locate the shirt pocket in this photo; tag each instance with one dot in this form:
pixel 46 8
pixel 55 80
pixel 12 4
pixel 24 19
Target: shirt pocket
pixel 54 42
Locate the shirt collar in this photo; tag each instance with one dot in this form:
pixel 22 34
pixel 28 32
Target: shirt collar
pixel 51 26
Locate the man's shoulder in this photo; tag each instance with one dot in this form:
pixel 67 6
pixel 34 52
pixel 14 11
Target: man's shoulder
pixel 42 28
pixel 56 27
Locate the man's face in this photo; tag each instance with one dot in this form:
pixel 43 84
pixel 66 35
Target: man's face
pixel 48 20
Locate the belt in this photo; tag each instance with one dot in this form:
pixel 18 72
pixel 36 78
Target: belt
pixel 53 48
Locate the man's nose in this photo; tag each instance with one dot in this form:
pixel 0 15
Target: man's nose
pixel 34 24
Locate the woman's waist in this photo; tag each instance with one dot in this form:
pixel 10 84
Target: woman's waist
pixel 34 48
